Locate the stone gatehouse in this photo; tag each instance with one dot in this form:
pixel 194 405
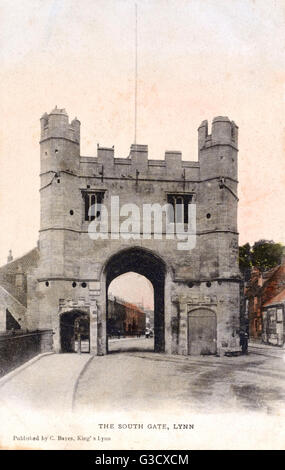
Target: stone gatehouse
pixel 196 291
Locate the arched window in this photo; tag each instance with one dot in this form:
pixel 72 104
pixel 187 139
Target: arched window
pixel 180 207
pixel 92 201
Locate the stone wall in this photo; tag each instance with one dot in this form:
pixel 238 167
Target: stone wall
pixel 18 347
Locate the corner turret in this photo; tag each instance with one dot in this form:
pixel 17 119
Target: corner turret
pixel 218 150
pixel 60 206
pixel 56 124
pixel 60 142
pixel 224 132
pixel 218 199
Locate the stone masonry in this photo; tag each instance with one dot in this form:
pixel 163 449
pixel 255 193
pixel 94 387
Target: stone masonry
pixel 196 291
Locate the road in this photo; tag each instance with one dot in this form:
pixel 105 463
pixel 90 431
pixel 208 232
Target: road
pixel 138 378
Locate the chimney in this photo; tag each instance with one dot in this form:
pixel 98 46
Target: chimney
pixel 10 257
pixel 19 278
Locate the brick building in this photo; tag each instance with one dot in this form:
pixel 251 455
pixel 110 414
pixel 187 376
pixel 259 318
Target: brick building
pixel 125 318
pixel 265 298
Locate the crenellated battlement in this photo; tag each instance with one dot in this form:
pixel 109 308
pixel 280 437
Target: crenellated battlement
pixel 138 162
pixel 224 132
pixel 56 125
pixel 63 154
pixel 128 162
pixel 138 151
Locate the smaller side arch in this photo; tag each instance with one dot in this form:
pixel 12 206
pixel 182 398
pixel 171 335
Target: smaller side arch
pixel 196 311
pixel 74 329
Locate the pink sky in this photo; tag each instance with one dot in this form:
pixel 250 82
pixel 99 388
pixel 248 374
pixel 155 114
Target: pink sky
pixel 197 59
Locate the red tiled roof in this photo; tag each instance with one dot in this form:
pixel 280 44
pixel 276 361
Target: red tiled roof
pixel 276 299
pixel 274 285
pixel 133 307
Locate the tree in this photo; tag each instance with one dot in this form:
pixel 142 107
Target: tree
pixel 245 263
pixel 266 254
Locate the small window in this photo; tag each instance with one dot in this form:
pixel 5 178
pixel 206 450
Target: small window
pixel 92 201
pixel 272 315
pixel 179 203
pixel 279 315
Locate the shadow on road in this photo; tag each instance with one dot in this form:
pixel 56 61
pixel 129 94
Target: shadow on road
pixel 128 345
pixel 129 350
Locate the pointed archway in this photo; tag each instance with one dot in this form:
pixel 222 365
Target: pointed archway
pixel 151 266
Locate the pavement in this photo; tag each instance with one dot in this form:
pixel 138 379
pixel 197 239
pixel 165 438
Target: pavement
pixel 266 349
pixel 48 383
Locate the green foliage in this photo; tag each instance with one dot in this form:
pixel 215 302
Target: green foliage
pixel 264 254
pixel 245 257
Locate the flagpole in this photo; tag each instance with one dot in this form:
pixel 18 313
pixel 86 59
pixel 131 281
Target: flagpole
pixel 136 69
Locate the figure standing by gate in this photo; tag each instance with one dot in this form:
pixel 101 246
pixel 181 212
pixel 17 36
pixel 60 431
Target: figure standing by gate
pixel 244 342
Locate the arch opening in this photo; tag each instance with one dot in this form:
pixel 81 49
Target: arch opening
pixel 130 314
pixel 74 332
pixel 149 265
